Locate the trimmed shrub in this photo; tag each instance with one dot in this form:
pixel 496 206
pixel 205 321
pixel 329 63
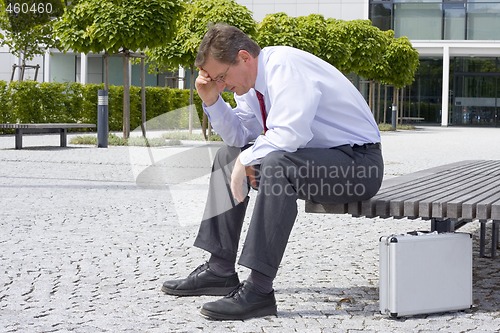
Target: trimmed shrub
pixel 5 107
pixel 25 102
pixel 34 102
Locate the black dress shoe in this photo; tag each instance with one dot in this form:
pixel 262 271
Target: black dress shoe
pixel 242 303
pixel 202 281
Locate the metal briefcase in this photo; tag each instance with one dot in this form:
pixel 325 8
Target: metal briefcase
pixel 424 273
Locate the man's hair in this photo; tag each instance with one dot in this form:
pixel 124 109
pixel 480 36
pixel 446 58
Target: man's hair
pixel 222 42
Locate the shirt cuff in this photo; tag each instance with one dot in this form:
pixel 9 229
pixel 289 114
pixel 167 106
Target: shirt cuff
pixel 245 157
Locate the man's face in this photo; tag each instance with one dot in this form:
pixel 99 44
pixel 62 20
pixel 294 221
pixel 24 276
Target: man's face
pixel 237 77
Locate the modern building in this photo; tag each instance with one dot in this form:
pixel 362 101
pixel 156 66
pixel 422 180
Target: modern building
pixel 459 78
pixel 55 66
pixel 458 82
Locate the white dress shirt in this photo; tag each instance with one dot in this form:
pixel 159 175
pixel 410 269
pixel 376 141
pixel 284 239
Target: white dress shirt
pixel 309 104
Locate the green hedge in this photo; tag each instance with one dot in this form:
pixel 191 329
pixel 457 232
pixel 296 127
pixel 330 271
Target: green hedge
pixel 34 102
pixel 5 114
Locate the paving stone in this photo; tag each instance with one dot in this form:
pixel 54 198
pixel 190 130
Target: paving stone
pixel 84 248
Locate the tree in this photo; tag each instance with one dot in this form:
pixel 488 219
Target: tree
pixel 352 46
pixel 312 33
pixel 402 61
pixel 335 51
pixel 28 28
pixel 4 21
pixel 281 29
pixel 113 26
pixel 312 29
pixel 366 45
pixel 191 28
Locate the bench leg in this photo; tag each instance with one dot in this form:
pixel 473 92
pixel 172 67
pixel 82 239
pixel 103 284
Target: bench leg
pixel 494 238
pixel 482 239
pixel 495 226
pixel 19 138
pixel 498 236
pixel 64 133
pixel 443 225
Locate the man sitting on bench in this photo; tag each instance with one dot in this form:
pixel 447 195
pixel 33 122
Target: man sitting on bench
pixel 315 139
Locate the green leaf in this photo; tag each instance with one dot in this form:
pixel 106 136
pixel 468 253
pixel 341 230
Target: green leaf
pixel 129 24
pixel 192 26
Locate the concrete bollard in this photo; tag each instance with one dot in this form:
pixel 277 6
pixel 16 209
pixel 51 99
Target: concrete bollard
pixel 394 113
pixel 102 119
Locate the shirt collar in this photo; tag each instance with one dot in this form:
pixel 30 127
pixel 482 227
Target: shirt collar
pixel 260 81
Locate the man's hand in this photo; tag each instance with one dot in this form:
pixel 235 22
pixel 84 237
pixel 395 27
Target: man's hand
pixel 239 185
pixel 207 89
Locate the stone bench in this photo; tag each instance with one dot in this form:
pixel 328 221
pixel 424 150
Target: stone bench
pixel 54 128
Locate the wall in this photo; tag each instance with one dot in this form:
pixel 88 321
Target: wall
pixel 7 60
pixel 62 67
pixel 340 9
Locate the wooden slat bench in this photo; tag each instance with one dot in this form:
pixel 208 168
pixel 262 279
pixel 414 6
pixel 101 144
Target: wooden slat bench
pixel 58 128
pixel 449 195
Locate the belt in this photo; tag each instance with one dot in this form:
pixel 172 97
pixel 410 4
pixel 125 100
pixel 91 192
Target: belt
pixel 367 146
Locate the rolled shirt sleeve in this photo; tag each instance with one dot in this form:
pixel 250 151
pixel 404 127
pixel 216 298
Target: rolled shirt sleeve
pixel 238 126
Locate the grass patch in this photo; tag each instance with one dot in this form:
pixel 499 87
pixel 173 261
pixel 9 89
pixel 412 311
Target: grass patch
pixel 187 136
pixel 174 138
pixel 388 127
pixel 83 140
pixel 115 140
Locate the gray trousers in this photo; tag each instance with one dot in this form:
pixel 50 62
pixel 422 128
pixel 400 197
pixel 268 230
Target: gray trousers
pixel 336 175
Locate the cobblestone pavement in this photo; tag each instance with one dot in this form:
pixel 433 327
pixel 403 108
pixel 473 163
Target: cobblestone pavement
pixel 84 248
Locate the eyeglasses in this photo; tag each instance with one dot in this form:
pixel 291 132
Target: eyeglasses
pixel 222 77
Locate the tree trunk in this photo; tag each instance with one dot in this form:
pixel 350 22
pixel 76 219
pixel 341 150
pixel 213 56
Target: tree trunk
pixel 191 98
pixel 106 71
pixel 395 100
pixel 143 96
pixel 126 94
pixel 21 67
pixel 370 95
pixel 204 126
pixel 385 103
pixel 401 105
pixel 378 102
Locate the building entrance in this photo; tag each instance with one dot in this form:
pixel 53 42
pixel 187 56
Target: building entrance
pixel 476 99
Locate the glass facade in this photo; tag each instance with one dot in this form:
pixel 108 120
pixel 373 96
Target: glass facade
pixel 476 93
pixel 438 19
pixel 425 94
pixel 483 20
pixel 474 82
pixel 418 20
pixel 454 26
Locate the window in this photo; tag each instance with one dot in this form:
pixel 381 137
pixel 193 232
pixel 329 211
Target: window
pixel 454 20
pixel 418 20
pixel 438 19
pixel 483 21
pixel 381 15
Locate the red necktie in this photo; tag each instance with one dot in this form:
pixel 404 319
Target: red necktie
pixel 262 109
